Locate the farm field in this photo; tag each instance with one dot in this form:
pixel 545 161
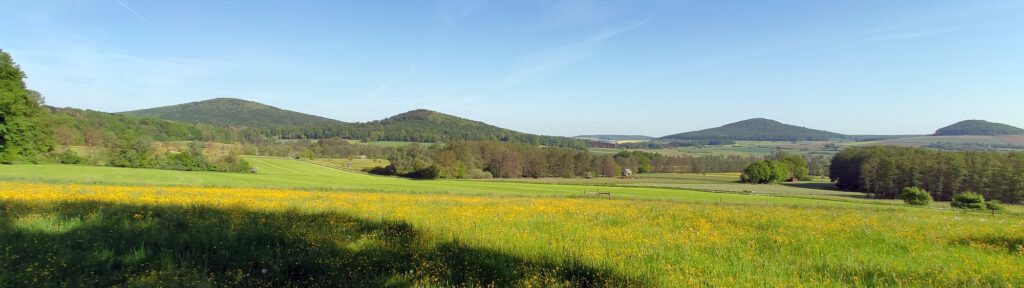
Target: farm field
pixel 393 143
pixel 925 140
pixel 99 235
pixel 351 164
pixel 765 148
pixel 725 183
pixel 741 148
pixel 636 180
pixel 294 174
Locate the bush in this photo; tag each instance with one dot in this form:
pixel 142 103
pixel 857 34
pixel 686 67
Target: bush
pixel 69 157
pixel 766 172
pixel 385 171
pixel 995 206
pixel 425 173
pixel 916 196
pixel 478 174
pixel 758 172
pixel 968 200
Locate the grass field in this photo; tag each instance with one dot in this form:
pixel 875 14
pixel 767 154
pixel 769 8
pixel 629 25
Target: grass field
pixel 394 143
pixel 636 180
pixel 301 224
pixel 295 174
pixel 351 164
pixel 925 140
pixel 741 148
pixel 87 235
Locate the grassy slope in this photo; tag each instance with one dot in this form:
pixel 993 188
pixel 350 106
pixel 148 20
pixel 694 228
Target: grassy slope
pixel 351 164
pixel 287 173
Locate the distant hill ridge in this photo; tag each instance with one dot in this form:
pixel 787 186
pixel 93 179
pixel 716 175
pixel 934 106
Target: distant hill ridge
pixel 758 129
pixel 233 112
pixel 419 125
pixel 978 128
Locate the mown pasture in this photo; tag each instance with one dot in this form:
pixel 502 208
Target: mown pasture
pixel 355 164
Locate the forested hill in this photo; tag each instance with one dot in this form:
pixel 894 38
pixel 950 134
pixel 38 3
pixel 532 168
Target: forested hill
pixel 430 126
pixel 758 129
pixel 978 127
pixel 233 112
pixel 251 122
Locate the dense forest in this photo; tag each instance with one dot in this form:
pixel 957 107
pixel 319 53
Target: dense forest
pixel 99 129
pixel 978 127
pixel 758 129
pixel 250 122
pixel 485 159
pixel 883 171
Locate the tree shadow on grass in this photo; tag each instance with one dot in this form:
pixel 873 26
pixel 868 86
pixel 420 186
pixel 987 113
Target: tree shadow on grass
pixel 103 244
pixel 1011 244
pixel 859 275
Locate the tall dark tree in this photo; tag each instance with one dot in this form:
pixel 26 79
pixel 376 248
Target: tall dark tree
pixel 23 130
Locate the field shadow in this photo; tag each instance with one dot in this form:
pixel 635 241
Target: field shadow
pixel 828 188
pixel 100 244
pixel 999 242
pixel 814 185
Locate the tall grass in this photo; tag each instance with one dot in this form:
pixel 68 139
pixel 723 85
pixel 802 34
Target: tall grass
pixel 69 235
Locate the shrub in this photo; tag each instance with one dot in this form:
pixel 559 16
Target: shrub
pixel 478 174
pixel 995 206
pixel 386 171
pixel 968 200
pixel 69 157
pixel 758 172
pixel 425 173
pixel 916 196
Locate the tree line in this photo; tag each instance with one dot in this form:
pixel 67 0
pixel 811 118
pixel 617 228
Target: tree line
pixel 662 144
pixel 883 171
pixel 486 159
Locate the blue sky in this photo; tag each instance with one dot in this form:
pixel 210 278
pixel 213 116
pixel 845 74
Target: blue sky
pixel 548 67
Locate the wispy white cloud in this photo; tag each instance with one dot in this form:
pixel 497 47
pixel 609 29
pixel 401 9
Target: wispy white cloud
pixel 548 59
pixel 454 12
pixel 134 13
pixel 558 14
pixel 377 91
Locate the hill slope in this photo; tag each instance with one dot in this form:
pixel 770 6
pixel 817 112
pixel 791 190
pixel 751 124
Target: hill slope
pixel 758 129
pixel 423 125
pixel 233 112
pixel 270 122
pixel 977 128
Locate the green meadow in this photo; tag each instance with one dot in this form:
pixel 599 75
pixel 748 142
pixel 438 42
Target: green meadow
pixel 296 174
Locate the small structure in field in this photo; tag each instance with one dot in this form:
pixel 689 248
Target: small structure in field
pixel 627 173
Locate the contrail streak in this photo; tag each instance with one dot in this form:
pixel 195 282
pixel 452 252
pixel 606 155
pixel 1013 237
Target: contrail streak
pixel 133 12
